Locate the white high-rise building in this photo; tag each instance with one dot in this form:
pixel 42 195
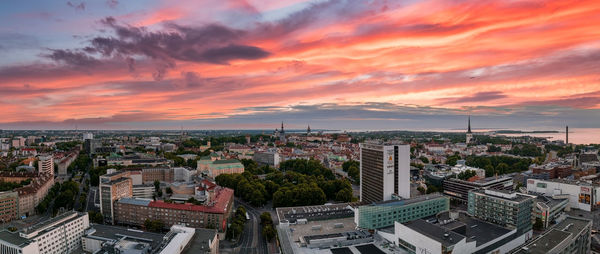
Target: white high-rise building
pixel 61 234
pixel 384 171
pixel 88 136
pixel 46 164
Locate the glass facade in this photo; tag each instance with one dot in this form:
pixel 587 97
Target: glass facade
pixel 385 214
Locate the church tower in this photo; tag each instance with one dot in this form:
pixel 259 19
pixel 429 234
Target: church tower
pixel 469 133
pixel 282 134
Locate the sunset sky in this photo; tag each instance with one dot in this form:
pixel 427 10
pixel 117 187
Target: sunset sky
pixel 352 65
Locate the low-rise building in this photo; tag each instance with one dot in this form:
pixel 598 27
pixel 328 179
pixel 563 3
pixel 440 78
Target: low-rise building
pixel 582 195
pixel 459 189
pixel 548 209
pixel 453 233
pixel 572 235
pixel 384 214
pixel 61 234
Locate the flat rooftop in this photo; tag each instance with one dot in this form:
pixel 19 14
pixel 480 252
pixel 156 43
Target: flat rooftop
pixel 409 201
pixel 117 232
pixel 446 237
pixel 200 240
pixel 319 212
pixel 476 230
pixel 570 227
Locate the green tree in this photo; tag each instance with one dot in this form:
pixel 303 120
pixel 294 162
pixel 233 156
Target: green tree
pixel 156 185
pixel 538 225
pixel 424 159
pixel 344 195
pixel 154 225
pixel 169 190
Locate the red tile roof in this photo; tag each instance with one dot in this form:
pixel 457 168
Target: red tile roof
pixel 221 202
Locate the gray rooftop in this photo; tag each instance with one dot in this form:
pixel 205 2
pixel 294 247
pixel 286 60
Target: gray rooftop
pixel 116 233
pixel 13 238
pixel 446 237
pixel 570 227
pixel 135 201
pixel 476 230
pixel 200 240
pixel 409 201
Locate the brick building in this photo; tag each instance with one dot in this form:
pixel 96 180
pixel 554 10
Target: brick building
pixel 214 214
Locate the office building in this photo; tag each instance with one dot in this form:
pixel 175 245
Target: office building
pixel 46 165
pixel 113 186
pixel 149 175
pixel 9 206
pixel 384 214
pixel 459 189
pixel 582 195
pixel 453 232
pixel 18 142
pixel 506 208
pixel 143 191
pixel 270 158
pixel 572 235
pixel 87 136
pixel 548 209
pixel 214 214
pixel 179 239
pixel 384 172
pixel 182 174
pixel 61 234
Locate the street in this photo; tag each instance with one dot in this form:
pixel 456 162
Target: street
pixel 252 241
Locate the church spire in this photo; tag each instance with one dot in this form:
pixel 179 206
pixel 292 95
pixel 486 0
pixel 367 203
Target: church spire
pixel 282 126
pixel 469 130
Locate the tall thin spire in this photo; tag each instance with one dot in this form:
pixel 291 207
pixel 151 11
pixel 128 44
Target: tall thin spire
pixel 469 131
pixel 281 126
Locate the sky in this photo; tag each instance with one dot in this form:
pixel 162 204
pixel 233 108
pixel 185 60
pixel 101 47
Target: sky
pixel 251 64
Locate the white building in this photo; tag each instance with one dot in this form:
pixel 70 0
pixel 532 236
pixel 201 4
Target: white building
pixel 88 136
pixel 582 195
pixel 459 235
pixel 271 158
pixel 182 174
pixel 58 235
pixel 46 165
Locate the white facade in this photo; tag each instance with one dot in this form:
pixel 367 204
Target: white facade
pixel 88 136
pixel 424 244
pixel 182 237
pixel 582 195
pixel 182 174
pixel 62 235
pixel 142 191
pixel 46 165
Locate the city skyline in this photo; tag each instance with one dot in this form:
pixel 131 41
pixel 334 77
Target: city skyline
pixel 349 65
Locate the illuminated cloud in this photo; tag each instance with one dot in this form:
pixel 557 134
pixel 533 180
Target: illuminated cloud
pixel 344 64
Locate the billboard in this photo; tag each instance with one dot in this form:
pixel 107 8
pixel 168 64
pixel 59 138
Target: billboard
pixel 388 157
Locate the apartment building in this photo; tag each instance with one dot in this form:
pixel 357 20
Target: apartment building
pixel 59 235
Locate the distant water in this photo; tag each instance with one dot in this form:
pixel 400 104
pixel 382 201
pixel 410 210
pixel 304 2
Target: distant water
pixel 576 135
